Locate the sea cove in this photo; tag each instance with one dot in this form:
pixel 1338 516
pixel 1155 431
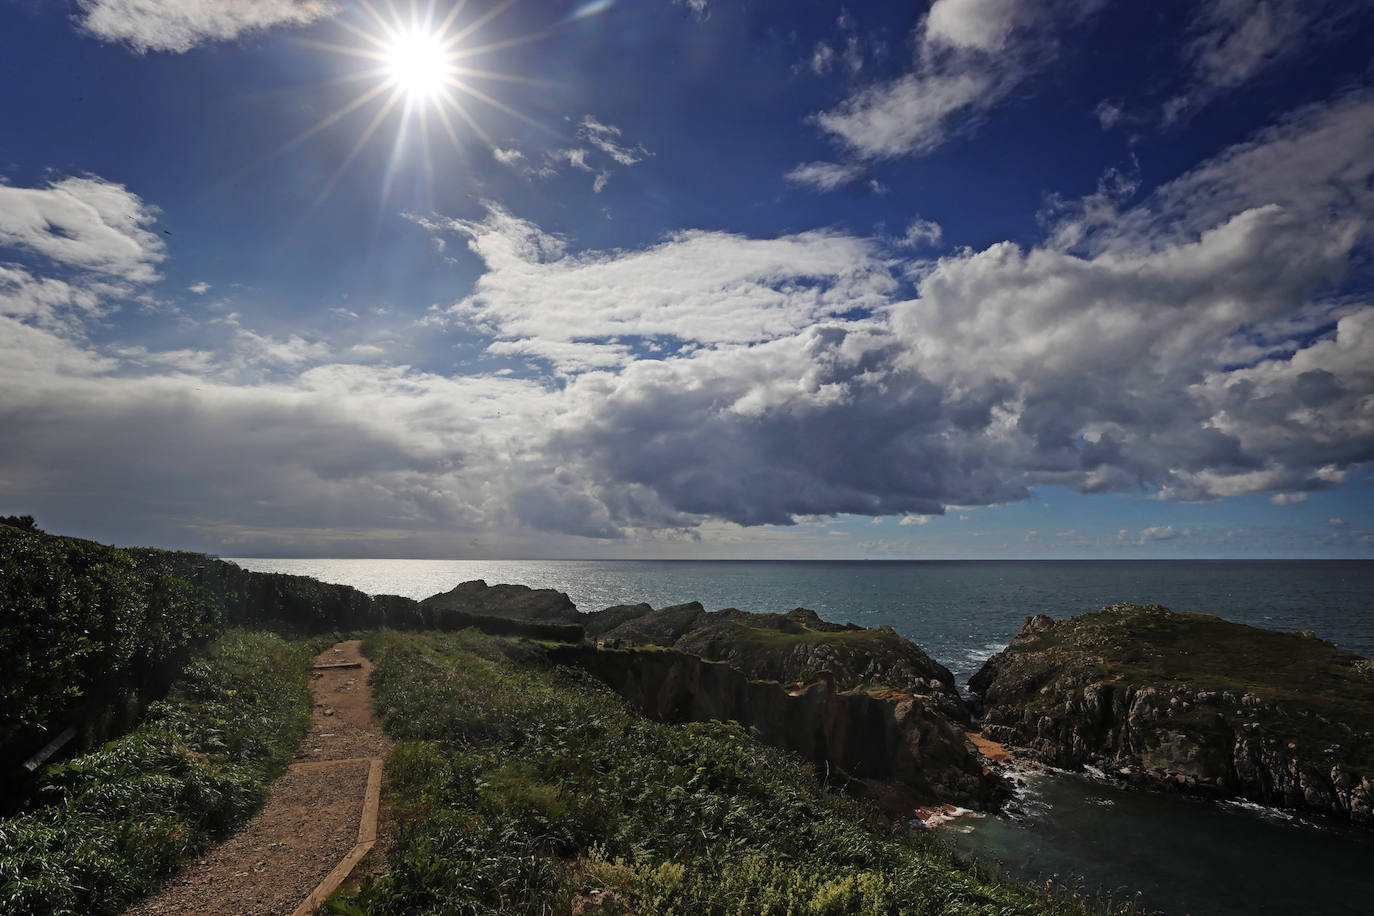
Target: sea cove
pixel 1179 855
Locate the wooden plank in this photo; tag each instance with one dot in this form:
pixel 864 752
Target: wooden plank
pixel 37 760
pixel 307 765
pixel 330 666
pixel 367 835
pixel 332 881
pixel 367 830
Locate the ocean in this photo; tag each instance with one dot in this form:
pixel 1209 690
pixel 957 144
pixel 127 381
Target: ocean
pixel 1171 854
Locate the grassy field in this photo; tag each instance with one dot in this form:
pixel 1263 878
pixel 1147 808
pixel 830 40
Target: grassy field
pixel 526 790
pixel 106 827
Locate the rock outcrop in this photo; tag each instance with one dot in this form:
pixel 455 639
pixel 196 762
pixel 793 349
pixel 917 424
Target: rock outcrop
pixel 513 602
pixel 892 737
pixel 792 648
pixel 1189 702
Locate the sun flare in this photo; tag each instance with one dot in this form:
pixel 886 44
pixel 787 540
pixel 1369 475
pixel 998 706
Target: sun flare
pixel 421 68
pixel 419 63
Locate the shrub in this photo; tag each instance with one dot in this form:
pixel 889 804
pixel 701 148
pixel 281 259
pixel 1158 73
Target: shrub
pixel 107 826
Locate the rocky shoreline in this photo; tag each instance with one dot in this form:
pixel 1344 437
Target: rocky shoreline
pixel 1190 703
pixel 1179 702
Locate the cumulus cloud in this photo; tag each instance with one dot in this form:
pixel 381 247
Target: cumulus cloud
pixel 180 25
pixel 758 380
pixel 1192 346
pixel 86 223
pixel 1288 499
pixel 704 287
pixel 922 232
pixel 983 25
pixel 1154 533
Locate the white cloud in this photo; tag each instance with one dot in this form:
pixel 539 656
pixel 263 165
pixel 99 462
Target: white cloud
pixel 1336 522
pixel 606 138
pixel 84 223
pixel 822 58
pixel 1288 499
pixel 1108 114
pixel 180 25
pixel 915 520
pixel 200 288
pixel 1158 533
pixel 705 287
pixel 698 7
pixel 982 25
pixel 826 176
pixel 970 55
pixel 603 153
pixel 712 377
pixel 922 232
pixel 913 114
pixel 1233 41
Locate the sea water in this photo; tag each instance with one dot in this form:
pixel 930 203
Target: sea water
pixel 1171 854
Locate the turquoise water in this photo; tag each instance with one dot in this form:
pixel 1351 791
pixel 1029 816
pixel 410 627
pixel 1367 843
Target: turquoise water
pixel 1172 854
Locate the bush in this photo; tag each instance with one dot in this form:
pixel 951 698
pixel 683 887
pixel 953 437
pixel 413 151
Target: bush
pixel 77 614
pixel 107 826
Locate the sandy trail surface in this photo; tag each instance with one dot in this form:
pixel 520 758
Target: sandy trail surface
pixel 311 820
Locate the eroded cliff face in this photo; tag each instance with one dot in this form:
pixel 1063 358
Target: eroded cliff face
pixel 795 647
pixel 1190 702
pixel 893 737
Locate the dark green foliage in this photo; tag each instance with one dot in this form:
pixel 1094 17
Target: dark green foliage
pixel 517 789
pixel 79 619
pixel 299 604
pixel 106 827
pixel 22 522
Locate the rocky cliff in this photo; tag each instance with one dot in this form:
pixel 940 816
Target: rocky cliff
pixel 792 648
pixel 892 737
pixel 514 602
pixel 1189 702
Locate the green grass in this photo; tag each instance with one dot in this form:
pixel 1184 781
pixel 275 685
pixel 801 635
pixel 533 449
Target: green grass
pixel 1151 644
pixel 108 826
pixel 1296 677
pixel 518 789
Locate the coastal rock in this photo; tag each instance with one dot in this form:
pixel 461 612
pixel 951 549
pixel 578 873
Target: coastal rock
pixel 893 737
pixel 792 648
pixel 1189 702
pixel 516 602
pixel 598 623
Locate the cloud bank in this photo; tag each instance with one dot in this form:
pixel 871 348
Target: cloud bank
pixel 1196 346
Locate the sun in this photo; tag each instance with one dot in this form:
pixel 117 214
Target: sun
pixel 419 63
pixel 420 68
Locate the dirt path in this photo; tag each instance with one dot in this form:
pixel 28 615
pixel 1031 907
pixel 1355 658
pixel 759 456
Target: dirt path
pixel 311 820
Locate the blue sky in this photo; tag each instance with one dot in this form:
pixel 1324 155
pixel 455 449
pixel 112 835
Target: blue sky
pixel 971 278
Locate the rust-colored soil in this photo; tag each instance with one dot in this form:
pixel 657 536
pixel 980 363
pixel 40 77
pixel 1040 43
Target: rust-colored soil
pixel 991 750
pixel 311 820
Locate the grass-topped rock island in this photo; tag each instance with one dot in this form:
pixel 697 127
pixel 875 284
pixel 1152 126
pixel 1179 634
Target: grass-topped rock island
pixel 1190 702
